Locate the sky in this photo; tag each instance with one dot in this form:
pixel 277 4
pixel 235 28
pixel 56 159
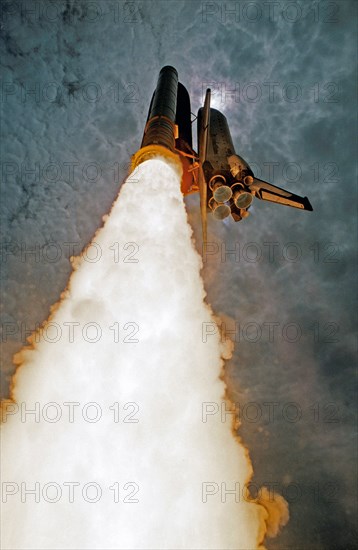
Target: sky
pixel 77 78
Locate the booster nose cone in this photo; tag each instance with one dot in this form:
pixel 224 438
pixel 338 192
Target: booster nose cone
pixel 243 199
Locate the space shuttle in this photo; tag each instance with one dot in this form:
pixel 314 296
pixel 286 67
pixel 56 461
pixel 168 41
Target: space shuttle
pixel 225 182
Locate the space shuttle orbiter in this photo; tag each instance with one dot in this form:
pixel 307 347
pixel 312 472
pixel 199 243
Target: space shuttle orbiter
pixel 225 181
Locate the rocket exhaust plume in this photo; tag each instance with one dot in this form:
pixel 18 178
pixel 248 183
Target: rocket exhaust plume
pixel 110 440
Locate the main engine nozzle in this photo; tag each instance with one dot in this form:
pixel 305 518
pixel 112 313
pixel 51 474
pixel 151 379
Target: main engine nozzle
pixel 242 198
pixel 219 209
pixel 221 191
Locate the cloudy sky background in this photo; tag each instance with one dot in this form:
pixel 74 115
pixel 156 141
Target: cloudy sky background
pixel 77 81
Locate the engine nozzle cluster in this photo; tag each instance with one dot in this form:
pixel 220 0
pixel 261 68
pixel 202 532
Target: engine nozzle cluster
pixel 230 198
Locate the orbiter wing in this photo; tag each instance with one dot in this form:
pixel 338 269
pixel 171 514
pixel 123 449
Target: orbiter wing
pixel 268 192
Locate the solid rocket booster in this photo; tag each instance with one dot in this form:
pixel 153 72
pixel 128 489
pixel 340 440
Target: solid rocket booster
pixel 160 127
pixel 160 130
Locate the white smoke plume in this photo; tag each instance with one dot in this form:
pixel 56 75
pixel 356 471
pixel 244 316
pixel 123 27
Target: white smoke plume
pixel 122 449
